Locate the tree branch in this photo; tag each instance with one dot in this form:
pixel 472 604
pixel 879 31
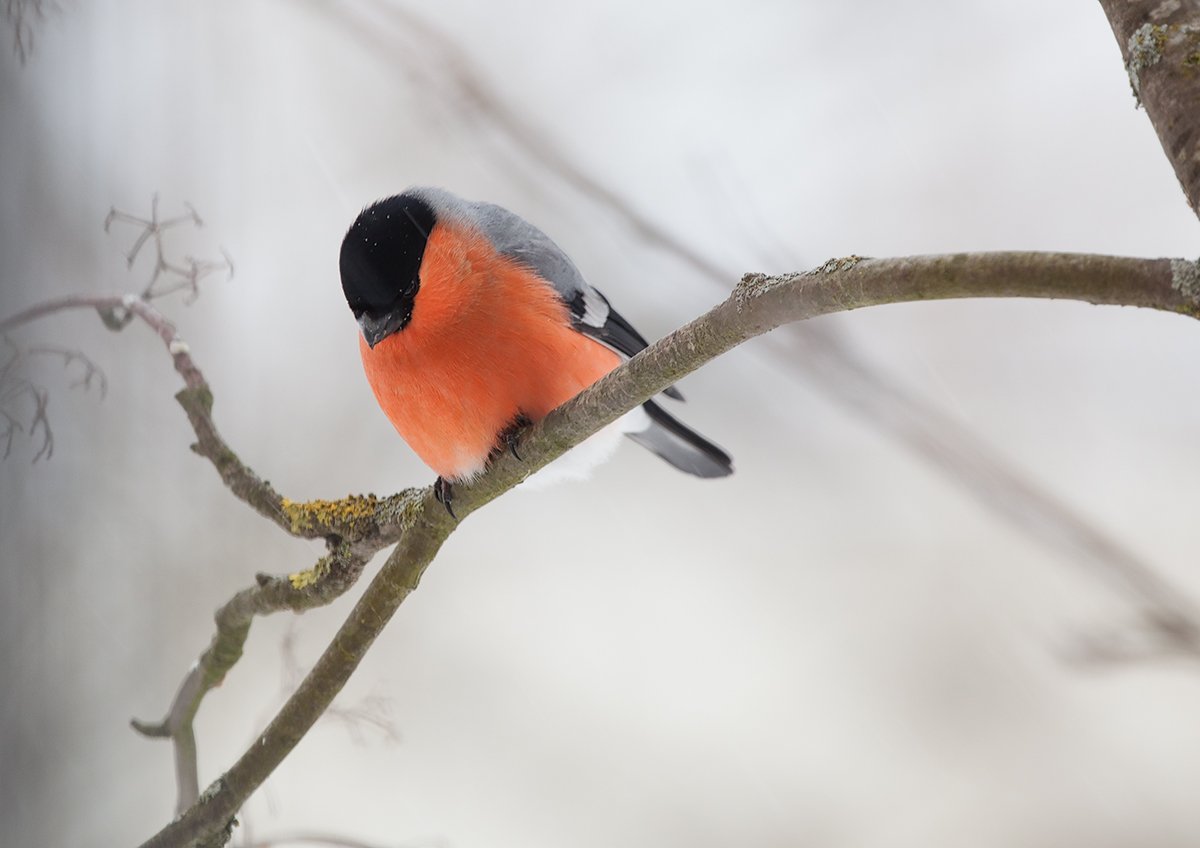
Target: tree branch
pixel 1160 44
pixel 22 17
pixel 449 75
pixel 757 305
pixel 355 529
pixel 196 397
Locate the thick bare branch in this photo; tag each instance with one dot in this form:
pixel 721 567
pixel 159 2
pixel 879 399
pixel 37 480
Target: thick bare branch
pixel 1160 43
pixel 371 713
pixel 758 305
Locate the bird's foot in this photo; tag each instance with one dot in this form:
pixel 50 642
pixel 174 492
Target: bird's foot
pixel 510 436
pixel 443 491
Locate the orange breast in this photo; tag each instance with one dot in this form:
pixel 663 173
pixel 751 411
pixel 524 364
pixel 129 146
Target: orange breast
pixel 488 341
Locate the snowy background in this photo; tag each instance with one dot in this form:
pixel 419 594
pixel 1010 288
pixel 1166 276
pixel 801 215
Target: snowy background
pixel 836 647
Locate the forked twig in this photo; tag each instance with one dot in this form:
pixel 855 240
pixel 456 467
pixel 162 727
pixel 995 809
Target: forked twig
pixel 167 277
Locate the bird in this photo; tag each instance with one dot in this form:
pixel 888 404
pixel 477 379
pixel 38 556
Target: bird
pixel 474 323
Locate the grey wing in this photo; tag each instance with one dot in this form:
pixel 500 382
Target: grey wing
pixel 515 237
pixel 590 311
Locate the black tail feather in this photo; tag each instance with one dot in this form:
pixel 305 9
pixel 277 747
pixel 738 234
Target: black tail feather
pixel 686 449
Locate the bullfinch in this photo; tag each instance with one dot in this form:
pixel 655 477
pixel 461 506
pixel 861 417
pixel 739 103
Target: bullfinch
pixel 474 323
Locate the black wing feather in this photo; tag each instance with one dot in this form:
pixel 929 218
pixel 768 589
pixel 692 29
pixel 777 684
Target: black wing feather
pixel 681 446
pixel 615 332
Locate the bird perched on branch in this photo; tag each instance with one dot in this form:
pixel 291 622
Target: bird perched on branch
pixel 474 323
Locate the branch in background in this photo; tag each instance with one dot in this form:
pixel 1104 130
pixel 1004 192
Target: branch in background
pixel 758 305
pixel 196 398
pixel 1160 44
pixel 93 374
pixel 331 841
pixel 1145 639
pixel 14 390
pixel 21 17
pixel 168 277
pixel 17 391
pixel 816 352
pixel 1040 515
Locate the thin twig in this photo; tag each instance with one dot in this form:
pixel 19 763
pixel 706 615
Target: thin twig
pixel 12 390
pixel 196 399
pixel 92 373
pixel 177 277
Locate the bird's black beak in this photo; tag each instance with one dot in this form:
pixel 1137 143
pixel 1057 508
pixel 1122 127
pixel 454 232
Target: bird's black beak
pixel 376 328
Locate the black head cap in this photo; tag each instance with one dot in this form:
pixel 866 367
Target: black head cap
pixel 380 262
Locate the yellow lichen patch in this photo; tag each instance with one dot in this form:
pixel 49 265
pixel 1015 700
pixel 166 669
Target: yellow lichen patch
pixel 337 515
pixel 310 576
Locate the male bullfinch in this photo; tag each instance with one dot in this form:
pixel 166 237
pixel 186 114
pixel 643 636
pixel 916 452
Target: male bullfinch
pixel 474 323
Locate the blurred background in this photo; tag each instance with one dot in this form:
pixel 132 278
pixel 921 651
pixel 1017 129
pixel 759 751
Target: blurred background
pixel 874 634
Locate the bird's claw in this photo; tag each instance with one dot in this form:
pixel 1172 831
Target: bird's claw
pixel 443 491
pixel 511 440
pixel 510 437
